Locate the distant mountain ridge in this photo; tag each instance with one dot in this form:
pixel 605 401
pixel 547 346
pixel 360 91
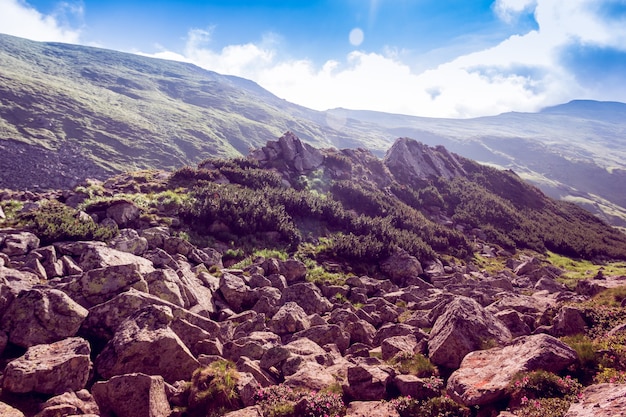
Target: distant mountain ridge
pixel 121 111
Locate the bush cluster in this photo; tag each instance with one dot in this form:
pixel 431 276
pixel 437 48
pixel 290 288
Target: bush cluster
pixel 54 221
pixel 432 407
pixel 283 401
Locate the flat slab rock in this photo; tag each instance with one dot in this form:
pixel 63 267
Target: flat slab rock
pixel 484 375
pixel 371 409
pixel 600 400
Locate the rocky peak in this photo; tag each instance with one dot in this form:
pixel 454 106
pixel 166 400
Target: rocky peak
pixel 410 160
pixel 291 151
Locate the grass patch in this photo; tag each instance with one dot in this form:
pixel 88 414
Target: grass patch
pixel 577 269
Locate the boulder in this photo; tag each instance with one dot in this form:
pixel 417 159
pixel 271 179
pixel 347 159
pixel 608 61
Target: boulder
pixel 310 376
pixel 69 403
pixel 568 321
pixel 155 236
pixel 50 369
pixel 253 346
pixel 124 213
pixel 290 318
pixel 396 329
pixel 250 411
pixel 132 395
pixel 144 343
pixel 394 345
pixel 307 296
pixel 325 335
pixel 484 376
pixel 591 287
pixel 165 284
pixel 128 240
pixel 369 383
pixel 600 400
pixel 403 269
pixel 12 282
pixel 101 284
pixel 96 255
pixel 371 409
pixel 463 327
pixel 41 316
pixel 47 256
pixel 515 322
pixel 234 290
pixel 7 411
pixel 103 319
pixel 417 388
pixel 17 243
pixel 293 270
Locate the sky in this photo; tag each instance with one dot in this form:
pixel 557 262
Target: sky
pixel 432 58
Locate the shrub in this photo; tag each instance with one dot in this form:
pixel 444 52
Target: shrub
pixel 432 407
pixel 54 221
pixel 283 401
pixel 213 389
pixel 527 389
pixel 544 407
pixel 414 364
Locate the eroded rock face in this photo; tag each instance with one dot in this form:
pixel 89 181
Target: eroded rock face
pixel 296 154
pixel 42 316
pixel 132 395
pixel 601 400
pixel 50 369
pixel 484 375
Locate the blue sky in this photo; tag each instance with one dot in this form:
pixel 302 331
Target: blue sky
pixel 437 58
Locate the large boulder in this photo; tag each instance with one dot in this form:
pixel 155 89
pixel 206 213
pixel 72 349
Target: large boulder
pixel 145 343
pixel 129 241
pixel 290 318
pixel 8 411
pixel 124 213
pixel 463 327
pixel 485 375
pixel 12 282
pixel 234 290
pixel 369 383
pixel 601 400
pixel 325 335
pixel 105 318
pixel 41 316
pixel 101 284
pixel 50 369
pixel 307 296
pixel 132 395
pixel 371 409
pixel 69 403
pixel 16 243
pixel 403 269
pixel 97 255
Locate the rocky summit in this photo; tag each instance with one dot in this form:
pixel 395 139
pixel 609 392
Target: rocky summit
pixel 309 282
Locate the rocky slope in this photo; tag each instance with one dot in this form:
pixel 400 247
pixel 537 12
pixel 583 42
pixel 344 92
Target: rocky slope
pixel 150 324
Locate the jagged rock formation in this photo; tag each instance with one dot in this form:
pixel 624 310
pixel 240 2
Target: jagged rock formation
pixel 412 161
pixel 290 150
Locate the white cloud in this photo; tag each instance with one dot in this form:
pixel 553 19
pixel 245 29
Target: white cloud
pixel 18 18
pixel 522 73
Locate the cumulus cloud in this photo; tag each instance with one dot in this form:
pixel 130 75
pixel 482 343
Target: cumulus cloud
pixel 18 18
pixel 522 73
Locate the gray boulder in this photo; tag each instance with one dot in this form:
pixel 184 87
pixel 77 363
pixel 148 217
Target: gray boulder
pixel 129 241
pixel 50 369
pixel 69 403
pixel 600 400
pixel 101 284
pixel 325 335
pixel 403 269
pixel 15 243
pixel 290 318
pixel 463 327
pixel 132 395
pixel 145 343
pixel 41 316
pixel 307 296
pixel 369 383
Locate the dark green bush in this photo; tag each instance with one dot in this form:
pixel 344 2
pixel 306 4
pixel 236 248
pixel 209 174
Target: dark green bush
pixel 54 221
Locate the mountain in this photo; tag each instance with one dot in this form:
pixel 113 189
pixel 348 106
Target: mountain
pixel 121 111
pixel 573 151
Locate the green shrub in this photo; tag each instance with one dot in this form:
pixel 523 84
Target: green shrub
pixel 414 364
pixel 54 221
pixel 283 401
pixel 432 407
pixel 542 384
pixel 544 407
pixel 213 390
